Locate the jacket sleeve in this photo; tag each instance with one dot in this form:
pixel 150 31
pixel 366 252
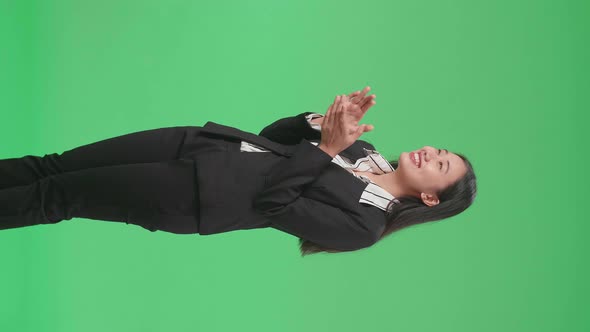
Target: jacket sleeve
pixel 291 130
pixel 341 228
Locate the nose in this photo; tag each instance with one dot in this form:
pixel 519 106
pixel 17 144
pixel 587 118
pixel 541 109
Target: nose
pixel 430 153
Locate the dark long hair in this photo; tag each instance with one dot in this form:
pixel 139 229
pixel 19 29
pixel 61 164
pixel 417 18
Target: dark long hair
pixel 411 210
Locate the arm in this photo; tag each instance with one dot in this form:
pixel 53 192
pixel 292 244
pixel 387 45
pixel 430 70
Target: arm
pixel 291 130
pixel 316 120
pixel 341 228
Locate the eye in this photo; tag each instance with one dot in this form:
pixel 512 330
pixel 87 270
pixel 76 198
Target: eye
pixel 440 162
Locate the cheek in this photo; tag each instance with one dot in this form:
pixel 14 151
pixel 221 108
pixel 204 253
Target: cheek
pixel 418 175
pixel 429 177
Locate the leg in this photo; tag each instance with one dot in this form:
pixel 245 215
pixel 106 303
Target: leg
pixel 156 196
pixel 146 146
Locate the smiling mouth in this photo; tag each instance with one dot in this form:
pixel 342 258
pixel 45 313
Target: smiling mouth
pixel 416 159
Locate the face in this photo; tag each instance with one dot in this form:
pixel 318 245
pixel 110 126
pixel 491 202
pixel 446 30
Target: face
pixel 438 169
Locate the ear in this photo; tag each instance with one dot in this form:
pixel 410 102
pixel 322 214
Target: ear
pixel 430 200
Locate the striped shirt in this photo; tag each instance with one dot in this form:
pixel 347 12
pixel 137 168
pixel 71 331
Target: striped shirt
pixel 373 162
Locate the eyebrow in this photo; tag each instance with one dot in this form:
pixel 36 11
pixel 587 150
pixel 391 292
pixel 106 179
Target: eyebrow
pixel 448 163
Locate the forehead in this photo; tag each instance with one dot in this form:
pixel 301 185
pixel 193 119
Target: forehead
pixel 457 167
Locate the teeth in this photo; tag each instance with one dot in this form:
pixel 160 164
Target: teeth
pixel 416 158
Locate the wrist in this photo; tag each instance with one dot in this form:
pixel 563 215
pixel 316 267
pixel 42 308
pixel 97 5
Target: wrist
pixel 319 120
pixel 327 150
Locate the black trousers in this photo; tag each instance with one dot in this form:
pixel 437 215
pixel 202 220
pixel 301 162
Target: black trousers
pixel 142 178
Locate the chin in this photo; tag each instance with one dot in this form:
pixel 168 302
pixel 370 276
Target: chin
pixel 406 158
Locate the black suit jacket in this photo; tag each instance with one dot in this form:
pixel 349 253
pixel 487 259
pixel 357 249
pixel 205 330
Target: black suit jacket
pixel 295 188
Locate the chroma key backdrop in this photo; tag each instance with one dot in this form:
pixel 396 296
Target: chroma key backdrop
pixel 504 83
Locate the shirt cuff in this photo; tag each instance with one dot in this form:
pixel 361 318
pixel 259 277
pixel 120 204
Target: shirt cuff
pixel 312 116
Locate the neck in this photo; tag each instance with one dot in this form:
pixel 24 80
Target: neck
pixel 392 183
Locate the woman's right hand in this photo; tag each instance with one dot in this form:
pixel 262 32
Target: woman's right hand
pixel 340 128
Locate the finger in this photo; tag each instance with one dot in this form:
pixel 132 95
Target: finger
pixel 336 100
pixel 364 92
pixel 368 105
pixel 345 99
pixel 355 108
pixel 333 103
pixel 336 112
pixel 367 102
pixel 359 131
pixel 350 107
pixel 336 116
pixel 362 101
pixel 329 114
pixel 343 103
pixel 354 94
pixel 351 110
pixel 367 128
pixel 336 106
pixel 355 111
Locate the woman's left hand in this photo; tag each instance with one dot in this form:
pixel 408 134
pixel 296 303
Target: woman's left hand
pixel 359 98
pixel 363 101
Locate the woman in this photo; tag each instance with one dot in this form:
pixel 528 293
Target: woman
pixel 427 185
pixel 212 179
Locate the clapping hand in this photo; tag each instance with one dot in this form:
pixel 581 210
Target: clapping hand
pixel 364 102
pixel 360 99
pixel 340 128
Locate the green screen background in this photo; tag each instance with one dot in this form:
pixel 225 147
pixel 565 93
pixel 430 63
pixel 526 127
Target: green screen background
pixel 503 82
